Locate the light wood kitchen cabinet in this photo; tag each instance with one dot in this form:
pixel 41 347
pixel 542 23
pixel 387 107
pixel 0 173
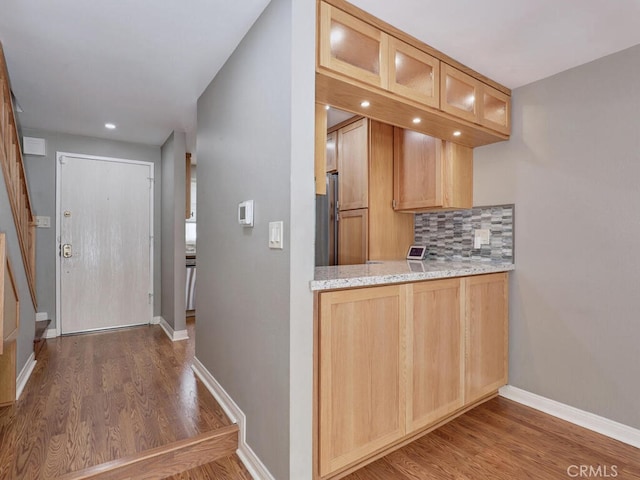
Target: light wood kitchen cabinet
pixel 320 153
pixel 352 47
pixel 413 74
pixel 459 93
pixel 361 382
pixel 487 334
pixel 353 165
pixel 365 165
pixel 495 110
pixel 430 173
pixel 394 361
pixel 332 152
pixel 360 57
pixel 472 100
pixel 353 236
pixel 435 360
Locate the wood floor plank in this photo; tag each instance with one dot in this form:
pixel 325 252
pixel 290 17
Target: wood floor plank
pixel 503 440
pixel 99 397
pixel 165 460
pixel 228 468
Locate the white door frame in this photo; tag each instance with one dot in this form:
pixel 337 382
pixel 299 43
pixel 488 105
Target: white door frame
pixel 59 156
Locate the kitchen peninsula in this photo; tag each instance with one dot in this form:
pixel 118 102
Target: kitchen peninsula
pixel 400 348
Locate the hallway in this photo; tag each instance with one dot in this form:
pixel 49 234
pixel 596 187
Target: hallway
pixel 100 397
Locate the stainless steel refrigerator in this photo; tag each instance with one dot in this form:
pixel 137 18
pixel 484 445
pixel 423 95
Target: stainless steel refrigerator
pixel 327 224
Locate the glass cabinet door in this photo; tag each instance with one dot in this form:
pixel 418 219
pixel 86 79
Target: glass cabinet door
pixel 413 74
pixel 495 110
pixel 352 47
pixel 459 93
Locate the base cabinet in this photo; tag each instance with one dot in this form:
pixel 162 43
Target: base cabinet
pixel 397 359
pixel 487 334
pixel 361 405
pixel 435 352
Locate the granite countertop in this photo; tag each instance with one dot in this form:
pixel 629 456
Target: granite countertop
pixel 401 271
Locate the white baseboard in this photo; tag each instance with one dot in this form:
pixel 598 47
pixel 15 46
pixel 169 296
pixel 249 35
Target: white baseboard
pixel 41 316
pixel 591 421
pixel 25 373
pixel 51 333
pixel 174 335
pixel 250 460
pixel 155 320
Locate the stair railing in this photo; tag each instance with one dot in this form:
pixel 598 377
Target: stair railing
pixel 15 178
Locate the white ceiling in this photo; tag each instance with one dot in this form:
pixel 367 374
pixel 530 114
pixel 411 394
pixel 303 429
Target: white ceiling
pixel 142 64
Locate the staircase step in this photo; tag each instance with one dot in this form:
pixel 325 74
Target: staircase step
pixel 227 468
pixel 165 461
pixel 41 328
pixel 39 338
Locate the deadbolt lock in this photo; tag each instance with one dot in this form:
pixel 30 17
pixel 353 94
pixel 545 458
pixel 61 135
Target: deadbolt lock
pixel 66 250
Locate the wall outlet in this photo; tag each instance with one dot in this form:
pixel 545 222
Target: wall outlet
pixel 481 237
pixel 43 222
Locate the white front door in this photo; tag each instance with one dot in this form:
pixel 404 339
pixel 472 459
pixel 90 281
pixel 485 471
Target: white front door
pixel 105 239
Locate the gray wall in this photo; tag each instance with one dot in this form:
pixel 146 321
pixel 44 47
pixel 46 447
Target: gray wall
pixel 27 311
pixel 41 175
pixel 173 236
pixel 572 167
pixel 255 141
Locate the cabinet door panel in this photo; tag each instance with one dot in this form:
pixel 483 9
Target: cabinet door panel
pixel 332 152
pixel 435 339
pixel 495 110
pixel 352 47
pixel 320 165
pixel 417 172
pixel 487 318
pixel 361 382
pixel 353 165
pixel 459 93
pixel 413 74
pixel 353 235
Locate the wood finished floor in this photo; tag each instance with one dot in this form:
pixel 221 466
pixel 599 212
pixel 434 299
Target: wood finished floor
pixel 503 440
pixel 99 397
pixel 228 468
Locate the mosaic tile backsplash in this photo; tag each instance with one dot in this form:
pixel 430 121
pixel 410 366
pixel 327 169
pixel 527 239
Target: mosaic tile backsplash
pixel 450 234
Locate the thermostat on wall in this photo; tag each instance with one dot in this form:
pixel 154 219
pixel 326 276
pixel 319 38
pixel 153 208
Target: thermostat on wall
pixel 245 213
pixel 416 252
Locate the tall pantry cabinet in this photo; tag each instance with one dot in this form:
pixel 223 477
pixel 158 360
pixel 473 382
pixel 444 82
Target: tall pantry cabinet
pixel 368 226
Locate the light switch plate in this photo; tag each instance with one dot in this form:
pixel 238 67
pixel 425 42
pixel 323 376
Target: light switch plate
pixel 276 235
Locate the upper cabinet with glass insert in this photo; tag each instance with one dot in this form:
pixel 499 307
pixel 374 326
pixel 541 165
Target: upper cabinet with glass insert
pixel 362 58
pixel 352 47
pixel 469 98
pixel 413 74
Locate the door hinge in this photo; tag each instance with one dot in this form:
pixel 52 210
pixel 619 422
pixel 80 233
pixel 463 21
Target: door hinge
pixel 337 204
pixel 337 216
pixel 394 203
pixel 150 298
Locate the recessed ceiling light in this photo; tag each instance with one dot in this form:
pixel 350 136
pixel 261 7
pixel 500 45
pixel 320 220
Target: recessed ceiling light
pixel 416 120
pixel 457 133
pixel 327 107
pixel 110 126
pixel 365 103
